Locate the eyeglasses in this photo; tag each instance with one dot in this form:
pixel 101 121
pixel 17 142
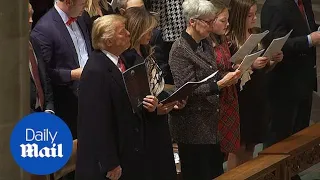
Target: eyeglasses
pixel 207 22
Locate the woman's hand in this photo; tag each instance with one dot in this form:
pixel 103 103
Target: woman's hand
pixel 277 57
pixel 181 104
pixel 150 103
pixel 260 63
pixel 229 79
pixel 165 108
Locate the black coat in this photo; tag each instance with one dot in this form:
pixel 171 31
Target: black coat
pixel 109 133
pixel 295 76
pixel 159 152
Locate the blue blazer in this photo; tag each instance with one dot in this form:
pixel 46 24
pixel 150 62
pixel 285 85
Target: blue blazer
pixel 60 55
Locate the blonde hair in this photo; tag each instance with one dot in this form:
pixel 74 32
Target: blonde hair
pixel 104 28
pixel 92 8
pixel 238 16
pixel 139 22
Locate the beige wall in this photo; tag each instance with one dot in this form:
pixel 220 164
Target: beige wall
pixel 14 79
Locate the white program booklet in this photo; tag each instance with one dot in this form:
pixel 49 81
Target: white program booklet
pixel 276 45
pixel 248 61
pixel 248 47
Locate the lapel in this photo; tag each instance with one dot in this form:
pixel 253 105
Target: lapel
pixel 114 72
pixel 84 29
pixel 64 33
pixel 293 7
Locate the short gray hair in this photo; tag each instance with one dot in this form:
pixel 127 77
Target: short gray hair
pixel 196 8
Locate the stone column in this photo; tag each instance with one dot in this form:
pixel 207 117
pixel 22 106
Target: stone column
pixel 14 79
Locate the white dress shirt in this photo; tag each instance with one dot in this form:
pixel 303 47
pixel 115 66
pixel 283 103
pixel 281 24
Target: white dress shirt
pixel 113 58
pixel 76 36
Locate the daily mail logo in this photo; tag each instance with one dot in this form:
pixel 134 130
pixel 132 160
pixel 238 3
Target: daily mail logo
pixel 41 143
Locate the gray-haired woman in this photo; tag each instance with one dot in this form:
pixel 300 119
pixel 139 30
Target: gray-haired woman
pixel 195 126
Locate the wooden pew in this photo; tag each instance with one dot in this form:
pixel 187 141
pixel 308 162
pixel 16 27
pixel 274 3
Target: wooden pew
pixel 303 148
pixel 269 167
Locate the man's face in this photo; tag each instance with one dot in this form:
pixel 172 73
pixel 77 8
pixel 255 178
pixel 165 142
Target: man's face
pixel 30 21
pixel 121 38
pixel 76 7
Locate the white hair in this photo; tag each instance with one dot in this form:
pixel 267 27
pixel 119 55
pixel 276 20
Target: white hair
pixel 196 8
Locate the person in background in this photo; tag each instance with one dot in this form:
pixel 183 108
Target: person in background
pixel 252 93
pixel 41 95
pixel 95 9
pixel 65 47
pixel 195 126
pixel 229 118
pixel 40 7
pixel 291 92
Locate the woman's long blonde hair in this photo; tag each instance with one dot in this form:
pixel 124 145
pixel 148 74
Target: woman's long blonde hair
pixel 237 20
pixel 92 9
pixel 139 22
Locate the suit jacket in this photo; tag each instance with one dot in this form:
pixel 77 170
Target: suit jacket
pixel 295 76
pixel 109 133
pixel 60 55
pixel 197 122
pixel 44 79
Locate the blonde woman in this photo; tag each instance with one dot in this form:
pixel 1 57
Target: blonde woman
pixel 95 9
pixel 159 152
pixel 254 113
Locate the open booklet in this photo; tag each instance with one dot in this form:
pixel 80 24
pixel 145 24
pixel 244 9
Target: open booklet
pixel 143 79
pixel 184 91
pixel 248 47
pixel 276 45
pixel 248 61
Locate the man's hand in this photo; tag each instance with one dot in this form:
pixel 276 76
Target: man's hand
pixel 260 63
pixel 76 74
pixel 115 174
pixel 150 103
pixel 229 79
pixel 315 38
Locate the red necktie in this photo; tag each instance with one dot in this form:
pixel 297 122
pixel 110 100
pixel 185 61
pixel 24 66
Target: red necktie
pixel 121 65
pixel 36 77
pixel 301 8
pixel 71 20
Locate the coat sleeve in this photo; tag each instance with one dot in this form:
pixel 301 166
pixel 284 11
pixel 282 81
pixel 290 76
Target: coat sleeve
pixel 43 37
pixel 96 128
pixel 183 70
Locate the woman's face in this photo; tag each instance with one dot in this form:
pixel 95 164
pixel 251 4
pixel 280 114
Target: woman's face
pixel 203 25
pixel 145 39
pixel 221 24
pixel 252 17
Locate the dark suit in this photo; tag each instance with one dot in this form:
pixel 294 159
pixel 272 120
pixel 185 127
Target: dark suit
pixel 61 57
pixel 110 134
pixel 293 80
pixel 45 82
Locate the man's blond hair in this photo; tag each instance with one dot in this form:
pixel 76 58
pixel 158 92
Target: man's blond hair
pixel 104 28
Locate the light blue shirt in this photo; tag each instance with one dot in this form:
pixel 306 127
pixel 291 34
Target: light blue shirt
pixel 76 36
pixel 309 37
